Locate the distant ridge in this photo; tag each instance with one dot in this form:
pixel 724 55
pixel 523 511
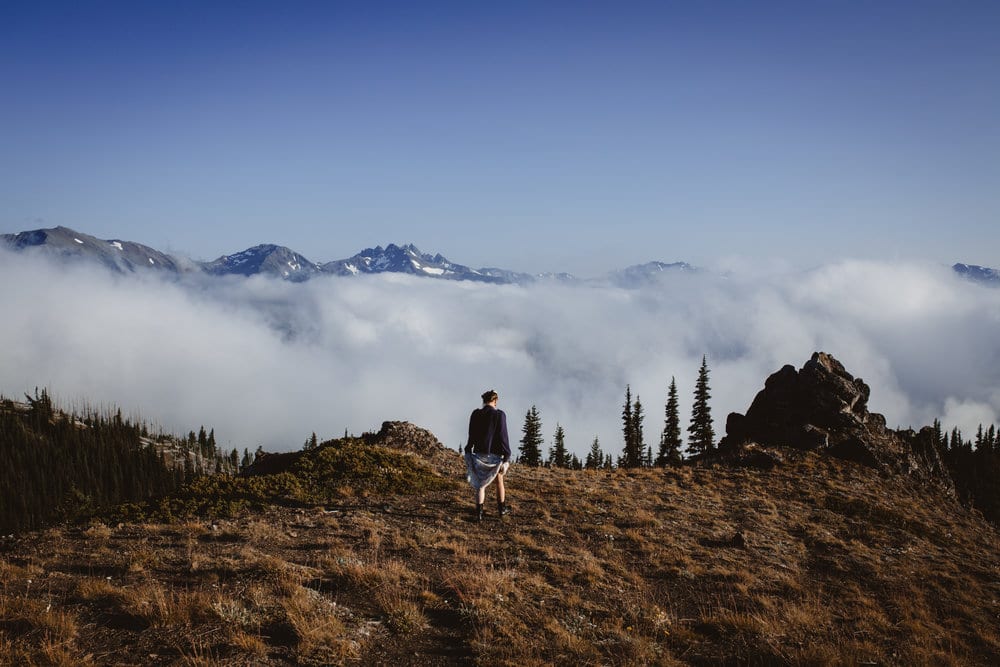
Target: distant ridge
pixel 286 264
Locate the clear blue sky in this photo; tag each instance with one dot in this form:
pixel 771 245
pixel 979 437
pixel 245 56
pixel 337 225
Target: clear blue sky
pixel 536 136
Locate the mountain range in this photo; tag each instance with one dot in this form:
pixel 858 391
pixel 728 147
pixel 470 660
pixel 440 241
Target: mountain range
pixel 286 264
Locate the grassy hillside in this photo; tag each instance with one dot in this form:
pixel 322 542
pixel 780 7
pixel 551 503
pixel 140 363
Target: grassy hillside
pixel 816 561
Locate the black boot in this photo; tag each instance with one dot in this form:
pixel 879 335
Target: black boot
pixel 479 512
pixel 503 508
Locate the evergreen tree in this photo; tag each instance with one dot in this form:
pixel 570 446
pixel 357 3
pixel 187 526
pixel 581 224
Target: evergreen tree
pixel 531 440
pixel 637 419
pixel 670 439
pixel 575 463
pixel 595 457
pixel 608 464
pixel 558 456
pixel 312 442
pixel 702 435
pixel 628 425
pixel 632 417
pixel 940 439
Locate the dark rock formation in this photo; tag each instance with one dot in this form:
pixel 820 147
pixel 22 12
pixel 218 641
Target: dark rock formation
pixel 405 436
pixel 824 408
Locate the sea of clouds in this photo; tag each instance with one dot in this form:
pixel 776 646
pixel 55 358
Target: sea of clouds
pixel 266 362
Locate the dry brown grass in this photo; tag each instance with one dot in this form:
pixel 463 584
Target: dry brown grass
pixel 836 565
pixel 321 636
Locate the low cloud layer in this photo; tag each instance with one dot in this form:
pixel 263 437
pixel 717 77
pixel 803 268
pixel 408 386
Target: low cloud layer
pixel 267 363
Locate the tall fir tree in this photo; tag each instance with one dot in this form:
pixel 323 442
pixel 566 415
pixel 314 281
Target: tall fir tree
pixel 628 434
pixel 637 419
pixel 558 456
pixel 632 417
pixel 702 434
pixel 670 439
pixel 531 439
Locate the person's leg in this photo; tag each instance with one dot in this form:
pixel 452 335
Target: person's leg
pixel 481 496
pixel 502 507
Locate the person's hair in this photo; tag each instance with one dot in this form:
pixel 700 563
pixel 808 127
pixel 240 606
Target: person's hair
pixel 489 396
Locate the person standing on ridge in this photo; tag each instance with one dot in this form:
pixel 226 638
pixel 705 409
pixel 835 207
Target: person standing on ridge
pixel 487 453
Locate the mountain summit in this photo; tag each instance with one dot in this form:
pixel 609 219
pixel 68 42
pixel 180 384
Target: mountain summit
pixel 267 259
pixel 408 259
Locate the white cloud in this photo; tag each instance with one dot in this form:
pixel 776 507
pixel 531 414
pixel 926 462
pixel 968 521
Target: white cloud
pixel 267 362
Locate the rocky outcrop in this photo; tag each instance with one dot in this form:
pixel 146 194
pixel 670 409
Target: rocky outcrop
pixel 824 408
pixel 399 435
pixel 411 438
pixel 405 436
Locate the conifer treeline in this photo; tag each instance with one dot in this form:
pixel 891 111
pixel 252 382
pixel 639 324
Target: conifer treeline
pixel 635 453
pixel 974 466
pixel 55 466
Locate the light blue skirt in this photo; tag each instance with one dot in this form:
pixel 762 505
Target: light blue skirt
pixel 482 469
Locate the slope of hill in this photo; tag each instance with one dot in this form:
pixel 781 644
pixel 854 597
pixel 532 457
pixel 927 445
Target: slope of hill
pixel 56 465
pixel 807 560
pixel 119 256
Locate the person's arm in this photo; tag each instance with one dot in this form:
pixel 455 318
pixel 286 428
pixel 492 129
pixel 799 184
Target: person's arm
pixel 468 443
pixel 503 436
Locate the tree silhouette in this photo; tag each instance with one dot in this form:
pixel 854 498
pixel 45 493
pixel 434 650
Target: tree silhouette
pixel 558 456
pixel 531 439
pixel 670 439
pixel 595 457
pixel 702 435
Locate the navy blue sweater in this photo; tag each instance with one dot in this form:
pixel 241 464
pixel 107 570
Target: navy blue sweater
pixel 488 432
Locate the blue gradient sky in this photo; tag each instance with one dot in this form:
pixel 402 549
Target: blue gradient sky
pixel 536 136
